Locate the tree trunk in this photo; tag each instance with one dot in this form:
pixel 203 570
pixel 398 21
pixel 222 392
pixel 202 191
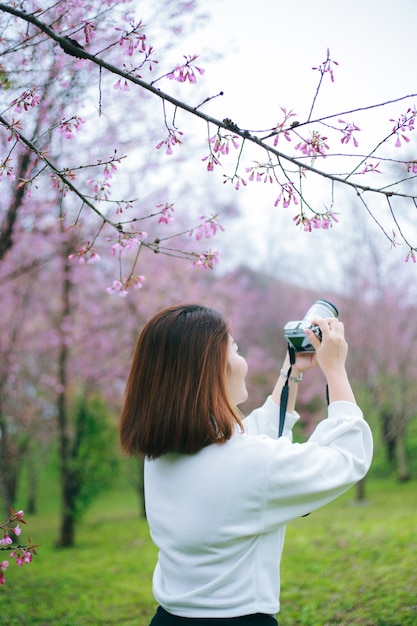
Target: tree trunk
pixel 403 471
pixel 67 531
pixel 389 435
pixel 360 491
pixel 32 484
pixel 9 221
pixel 9 467
pixel 5 501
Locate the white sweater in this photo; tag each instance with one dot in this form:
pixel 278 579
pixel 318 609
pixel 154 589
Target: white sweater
pixel 218 516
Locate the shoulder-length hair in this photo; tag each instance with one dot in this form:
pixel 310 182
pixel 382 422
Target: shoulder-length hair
pixel 176 396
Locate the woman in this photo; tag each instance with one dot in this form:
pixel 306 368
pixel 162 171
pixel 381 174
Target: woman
pixel 219 489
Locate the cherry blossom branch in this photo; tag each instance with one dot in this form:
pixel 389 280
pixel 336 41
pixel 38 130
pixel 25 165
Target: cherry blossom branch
pixel 135 241
pixel 72 48
pixel 395 130
pixel 62 177
pixel 22 553
pixel 324 68
pixel 394 217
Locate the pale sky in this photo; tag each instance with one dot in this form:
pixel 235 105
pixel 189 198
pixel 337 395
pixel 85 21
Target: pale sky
pixel 269 47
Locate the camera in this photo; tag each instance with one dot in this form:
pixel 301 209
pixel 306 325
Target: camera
pixel 294 331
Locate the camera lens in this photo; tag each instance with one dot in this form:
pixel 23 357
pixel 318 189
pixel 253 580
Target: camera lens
pixel 321 308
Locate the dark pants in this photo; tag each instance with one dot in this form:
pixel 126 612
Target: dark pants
pixel 163 618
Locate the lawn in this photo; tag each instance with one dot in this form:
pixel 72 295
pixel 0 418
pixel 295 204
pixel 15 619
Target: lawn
pixel 345 564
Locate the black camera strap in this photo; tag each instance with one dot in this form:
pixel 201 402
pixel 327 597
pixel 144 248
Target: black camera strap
pixel 284 398
pixel 284 393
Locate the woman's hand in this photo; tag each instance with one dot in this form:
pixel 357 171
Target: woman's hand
pixel 303 361
pixel 331 353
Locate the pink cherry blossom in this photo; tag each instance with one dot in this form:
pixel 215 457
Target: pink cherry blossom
pixel 14 127
pixel 22 553
pixel 326 66
pixel 138 281
pixel 121 85
pixel 173 139
pixel 17 530
pixel 282 128
pixel 208 228
pixel 6 541
pixel 371 167
pixel 314 146
pixel 166 216
pixel 404 124
pixel 3 567
pixel 28 98
pixel 207 260
pixel 133 39
pixel 128 243
pixel 109 170
pixel 85 254
pixel 348 131
pixel 67 127
pixel 211 161
pixel 187 71
pixel 121 287
pixel 221 142
pixel 89 31
pixel 411 255
pixel 320 220
pixel 287 195
pixel 260 172
pixel 238 180
pixel 117 288
pixel 6 167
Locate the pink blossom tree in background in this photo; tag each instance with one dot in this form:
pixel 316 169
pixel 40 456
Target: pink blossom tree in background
pixel 379 308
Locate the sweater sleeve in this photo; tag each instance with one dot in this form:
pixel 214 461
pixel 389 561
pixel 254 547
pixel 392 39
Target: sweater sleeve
pixel 303 477
pixel 265 421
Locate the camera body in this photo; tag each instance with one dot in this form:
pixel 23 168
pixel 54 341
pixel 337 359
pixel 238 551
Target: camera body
pixel 295 331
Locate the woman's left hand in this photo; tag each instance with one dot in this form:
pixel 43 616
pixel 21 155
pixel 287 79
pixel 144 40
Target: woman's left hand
pixel 304 361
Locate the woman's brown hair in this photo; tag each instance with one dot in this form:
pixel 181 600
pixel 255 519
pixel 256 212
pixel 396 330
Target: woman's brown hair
pixel 176 396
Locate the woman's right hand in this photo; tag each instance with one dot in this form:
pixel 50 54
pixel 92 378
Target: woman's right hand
pixel 331 353
pixel 332 349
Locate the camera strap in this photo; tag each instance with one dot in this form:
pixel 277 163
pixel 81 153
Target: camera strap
pixel 284 393
pixel 284 398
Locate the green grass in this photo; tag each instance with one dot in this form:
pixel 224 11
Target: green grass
pixel 354 564
pixel 345 564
